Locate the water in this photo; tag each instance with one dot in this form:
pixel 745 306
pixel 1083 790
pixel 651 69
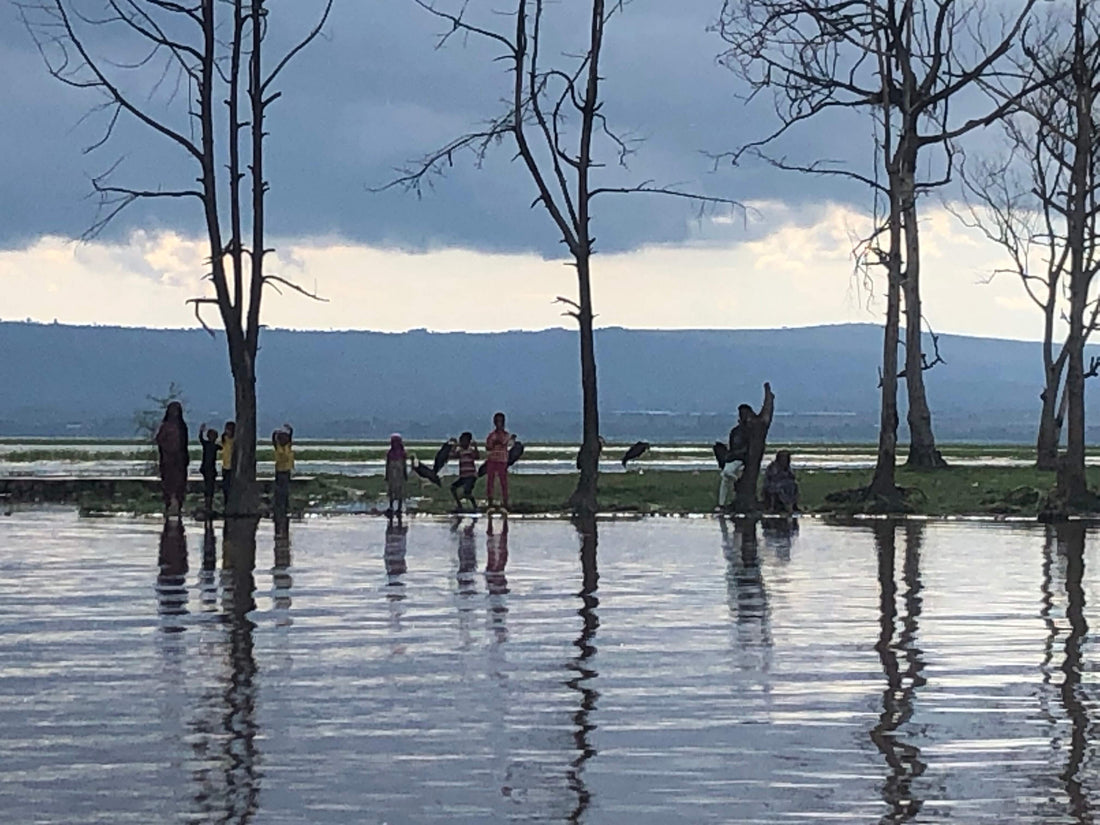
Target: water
pixel 668 670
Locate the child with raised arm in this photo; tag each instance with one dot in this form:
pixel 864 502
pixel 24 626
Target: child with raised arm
pixel 282 441
pixel 467 454
pixel 497 444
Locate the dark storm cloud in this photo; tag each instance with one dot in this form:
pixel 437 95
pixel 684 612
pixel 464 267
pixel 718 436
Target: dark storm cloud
pixel 375 93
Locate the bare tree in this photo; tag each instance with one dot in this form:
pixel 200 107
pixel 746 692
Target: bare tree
pixel 1017 200
pixel 162 65
pixel 904 63
pixel 553 116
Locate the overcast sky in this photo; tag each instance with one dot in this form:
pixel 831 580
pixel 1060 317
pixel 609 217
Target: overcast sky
pixel 375 93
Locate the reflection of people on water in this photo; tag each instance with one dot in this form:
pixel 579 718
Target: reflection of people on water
pixel 280 575
pixel 779 535
pixel 496 546
pixel 467 549
pixel 208 589
pixel 496 559
pixel 171 578
pixel 397 535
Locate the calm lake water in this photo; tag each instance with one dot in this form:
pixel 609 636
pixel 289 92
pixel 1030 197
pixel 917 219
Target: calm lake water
pixel 665 670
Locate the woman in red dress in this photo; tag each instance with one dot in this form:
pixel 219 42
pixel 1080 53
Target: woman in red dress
pixel 171 440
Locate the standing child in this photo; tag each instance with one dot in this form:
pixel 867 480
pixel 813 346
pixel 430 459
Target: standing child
pixel 496 467
pixel 208 439
pixel 228 435
pixel 468 456
pixel 283 442
pixel 397 473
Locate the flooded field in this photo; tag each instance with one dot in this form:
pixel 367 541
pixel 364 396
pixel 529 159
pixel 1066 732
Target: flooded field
pixel 654 671
pixel 44 457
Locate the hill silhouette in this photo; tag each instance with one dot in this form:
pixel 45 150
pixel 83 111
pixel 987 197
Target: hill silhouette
pixel 679 385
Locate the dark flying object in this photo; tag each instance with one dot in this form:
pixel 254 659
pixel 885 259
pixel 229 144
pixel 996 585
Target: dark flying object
pixel 514 453
pixel 443 455
pixel 427 472
pixel 635 451
pixel 721 452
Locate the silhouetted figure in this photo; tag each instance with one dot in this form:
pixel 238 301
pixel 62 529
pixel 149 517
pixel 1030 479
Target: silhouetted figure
pixel 208 440
pixel 731 461
pixel 397 474
pixel 636 450
pixel 424 471
pixel 171 440
pixel 780 486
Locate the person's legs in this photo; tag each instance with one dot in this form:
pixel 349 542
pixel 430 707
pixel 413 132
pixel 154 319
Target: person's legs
pixel 282 494
pixel 468 488
pixel 490 475
pixel 504 484
pixel 498 471
pixel 458 482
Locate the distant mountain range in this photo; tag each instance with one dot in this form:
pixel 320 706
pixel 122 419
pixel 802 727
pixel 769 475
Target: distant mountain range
pixel 661 385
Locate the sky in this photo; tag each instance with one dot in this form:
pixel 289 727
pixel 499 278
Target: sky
pixel 374 93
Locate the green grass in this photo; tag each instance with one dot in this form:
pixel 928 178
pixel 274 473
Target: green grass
pixel 971 491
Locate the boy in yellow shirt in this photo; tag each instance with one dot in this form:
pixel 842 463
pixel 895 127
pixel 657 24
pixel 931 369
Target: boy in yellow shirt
pixel 283 442
pixel 227 458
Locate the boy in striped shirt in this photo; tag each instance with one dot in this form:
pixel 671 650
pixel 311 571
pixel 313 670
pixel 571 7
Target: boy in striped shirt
pixel 467 454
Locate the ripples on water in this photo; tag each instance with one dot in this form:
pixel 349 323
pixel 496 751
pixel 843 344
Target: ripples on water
pixel 660 671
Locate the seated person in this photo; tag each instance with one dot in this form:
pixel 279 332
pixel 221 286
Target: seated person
pixel 780 487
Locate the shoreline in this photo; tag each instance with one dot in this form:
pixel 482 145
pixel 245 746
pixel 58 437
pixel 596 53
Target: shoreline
pixel 987 493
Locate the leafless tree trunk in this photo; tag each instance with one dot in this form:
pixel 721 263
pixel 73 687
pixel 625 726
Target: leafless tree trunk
pixel 745 499
pixel 901 61
pixel 536 121
pixel 187 46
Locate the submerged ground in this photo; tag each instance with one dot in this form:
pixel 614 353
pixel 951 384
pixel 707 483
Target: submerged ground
pixel 657 671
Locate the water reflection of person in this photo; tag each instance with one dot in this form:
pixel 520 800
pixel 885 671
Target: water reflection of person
pixel 393 556
pixel 225 732
pixel 171 586
pixel 746 594
pixel 281 580
pixel 779 536
pixel 496 559
pixel 208 588
pixel 903 759
pixel 582 668
pixel 465 578
pixel 1070 542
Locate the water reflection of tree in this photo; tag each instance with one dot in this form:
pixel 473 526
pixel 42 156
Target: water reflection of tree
pixel 1070 539
pixel 903 759
pixel 747 596
pixel 582 666
pixel 225 732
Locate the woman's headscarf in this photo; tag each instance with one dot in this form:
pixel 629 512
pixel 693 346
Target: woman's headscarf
pixel 397 449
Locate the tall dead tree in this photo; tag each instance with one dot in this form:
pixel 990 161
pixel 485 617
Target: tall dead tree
pixel 903 63
pixel 163 66
pixel 553 117
pixel 1020 200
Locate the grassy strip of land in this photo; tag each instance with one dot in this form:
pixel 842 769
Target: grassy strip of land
pixel 972 491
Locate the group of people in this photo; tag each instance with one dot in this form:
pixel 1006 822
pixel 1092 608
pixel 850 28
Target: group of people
pixel 780 486
pixel 497 445
pixel 174 456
